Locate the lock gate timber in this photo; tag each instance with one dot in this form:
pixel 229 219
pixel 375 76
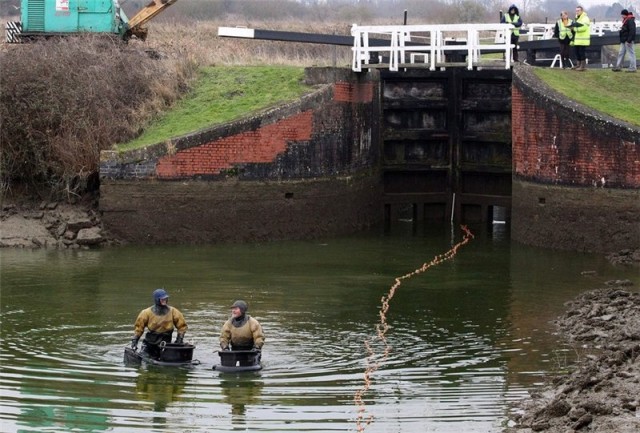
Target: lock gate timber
pixel 446 144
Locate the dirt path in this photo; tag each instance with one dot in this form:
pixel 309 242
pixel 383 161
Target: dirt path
pixel 601 393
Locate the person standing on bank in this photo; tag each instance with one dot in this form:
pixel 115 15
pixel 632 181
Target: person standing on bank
pixel 627 41
pixel 581 28
pixel 241 331
pixel 513 18
pixel 160 320
pixel 562 32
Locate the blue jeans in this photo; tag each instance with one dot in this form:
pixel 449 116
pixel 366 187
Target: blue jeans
pixel 624 48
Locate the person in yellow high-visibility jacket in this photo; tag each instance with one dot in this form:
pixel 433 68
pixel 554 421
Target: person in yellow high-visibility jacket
pixel 513 17
pixel 562 31
pixel 581 28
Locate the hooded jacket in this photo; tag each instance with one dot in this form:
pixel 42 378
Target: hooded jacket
pixel 514 19
pixel 242 333
pixel 165 322
pixel 628 29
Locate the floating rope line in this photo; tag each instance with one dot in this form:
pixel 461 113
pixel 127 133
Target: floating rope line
pixel 373 361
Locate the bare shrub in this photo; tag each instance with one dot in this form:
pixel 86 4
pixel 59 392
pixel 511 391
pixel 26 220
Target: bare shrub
pixel 62 101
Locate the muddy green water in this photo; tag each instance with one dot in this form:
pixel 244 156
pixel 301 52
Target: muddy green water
pixel 468 337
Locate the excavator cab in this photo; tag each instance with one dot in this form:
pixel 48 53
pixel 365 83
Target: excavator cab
pixel 45 18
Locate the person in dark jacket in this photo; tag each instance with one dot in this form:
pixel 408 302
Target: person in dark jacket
pixel 562 32
pixel 627 41
pixel 513 18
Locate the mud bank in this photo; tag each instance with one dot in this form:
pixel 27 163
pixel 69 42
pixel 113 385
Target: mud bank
pixel 600 393
pixel 52 224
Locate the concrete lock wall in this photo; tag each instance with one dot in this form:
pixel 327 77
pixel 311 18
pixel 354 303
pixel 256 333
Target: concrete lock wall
pixel 303 170
pixel 576 172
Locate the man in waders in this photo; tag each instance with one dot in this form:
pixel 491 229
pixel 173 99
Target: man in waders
pixel 241 331
pixel 160 320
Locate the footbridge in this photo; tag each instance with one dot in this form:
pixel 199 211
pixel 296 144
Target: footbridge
pixel 473 46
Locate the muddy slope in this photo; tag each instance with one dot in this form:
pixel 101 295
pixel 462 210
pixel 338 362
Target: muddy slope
pixel 601 393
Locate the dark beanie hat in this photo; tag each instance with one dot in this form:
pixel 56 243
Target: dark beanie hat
pixel 624 12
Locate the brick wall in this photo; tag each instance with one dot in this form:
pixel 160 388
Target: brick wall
pixel 327 133
pixel 301 170
pixel 260 146
pixel 576 173
pixel 353 92
pixel 554 142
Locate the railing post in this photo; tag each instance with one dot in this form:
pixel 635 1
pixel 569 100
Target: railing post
pixel 393 54
pixel 470 44
pixel 356 64
pixel 509 46
pixel 367 48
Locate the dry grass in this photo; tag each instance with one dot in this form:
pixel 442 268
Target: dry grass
pixel 199 39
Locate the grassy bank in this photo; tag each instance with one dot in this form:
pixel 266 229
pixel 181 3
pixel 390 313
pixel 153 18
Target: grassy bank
pixel 221 94
pixel 225 93
pixel 612 93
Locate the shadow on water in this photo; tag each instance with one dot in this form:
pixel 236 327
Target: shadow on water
pixel 467 337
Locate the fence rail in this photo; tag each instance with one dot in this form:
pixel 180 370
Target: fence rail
pixel 537 31
pixel 432 43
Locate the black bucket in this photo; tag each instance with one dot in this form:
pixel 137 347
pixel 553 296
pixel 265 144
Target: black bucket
pixel 176 352
pixel 131 357
pixel 239 358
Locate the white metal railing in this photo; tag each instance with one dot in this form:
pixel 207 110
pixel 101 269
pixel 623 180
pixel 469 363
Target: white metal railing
pixel 431 41
pixel 535 31
pixel 606 26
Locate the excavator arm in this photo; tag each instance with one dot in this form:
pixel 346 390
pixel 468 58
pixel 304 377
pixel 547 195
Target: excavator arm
pixel 136 25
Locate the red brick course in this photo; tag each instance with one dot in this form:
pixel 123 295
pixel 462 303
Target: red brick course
pixel 261 145
pixel 353 92
pixel 552 146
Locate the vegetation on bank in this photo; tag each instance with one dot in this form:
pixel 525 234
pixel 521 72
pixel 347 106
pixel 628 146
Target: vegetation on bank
pixel 62 101
pixel 221 94
pixel 601 89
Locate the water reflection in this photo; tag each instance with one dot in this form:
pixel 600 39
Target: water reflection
pixel 467 337
pixel 160 385
pixel 37 414
pixel 240 391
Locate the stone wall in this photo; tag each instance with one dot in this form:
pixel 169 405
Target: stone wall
pixel 301 170
pixel 576 172
pixel 198 212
